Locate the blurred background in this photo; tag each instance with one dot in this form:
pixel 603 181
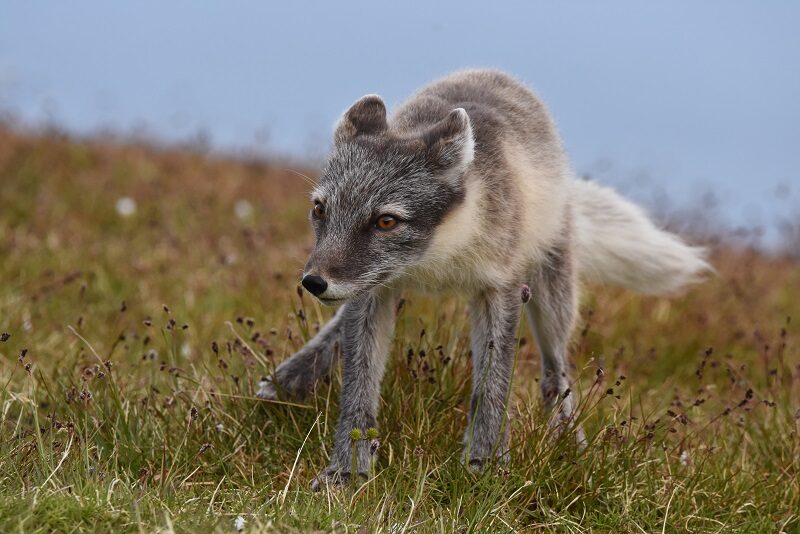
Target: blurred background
pixel 687 107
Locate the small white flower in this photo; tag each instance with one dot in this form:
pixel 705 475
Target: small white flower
pixel 186 350
pixel 684 458
pixel 126 206
pixel 243 209
pixel 238 523
pixel 220 427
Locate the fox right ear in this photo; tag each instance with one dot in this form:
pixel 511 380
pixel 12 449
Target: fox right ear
pixel 365 117
pixel 451 145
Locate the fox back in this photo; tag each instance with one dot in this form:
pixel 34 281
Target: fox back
pixel 466 186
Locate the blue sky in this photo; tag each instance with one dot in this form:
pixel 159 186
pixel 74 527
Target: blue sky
pixel 676 98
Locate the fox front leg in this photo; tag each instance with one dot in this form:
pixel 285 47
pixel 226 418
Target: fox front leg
pixel 368 323
pixel 494 315
pixel 297 375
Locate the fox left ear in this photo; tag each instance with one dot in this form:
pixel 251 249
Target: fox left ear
pixel 450 144
pixel 366 117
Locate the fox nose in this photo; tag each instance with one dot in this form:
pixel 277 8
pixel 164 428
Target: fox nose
pixel 316 285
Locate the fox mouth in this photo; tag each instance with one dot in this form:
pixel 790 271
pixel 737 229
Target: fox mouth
pixel 329 301
pixel 339 292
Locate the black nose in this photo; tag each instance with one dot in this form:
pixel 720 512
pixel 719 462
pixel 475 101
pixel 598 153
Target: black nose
pixel 316 285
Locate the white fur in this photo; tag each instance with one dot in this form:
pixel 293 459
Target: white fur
pixel 468 141
pixel 543 193
pixel 464 251
pixel 465 141
pixel 459 229
pixel 618 244
pixel 453 255
pixel 614 241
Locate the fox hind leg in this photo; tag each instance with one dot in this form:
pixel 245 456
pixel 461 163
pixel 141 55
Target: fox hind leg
pixel 552 311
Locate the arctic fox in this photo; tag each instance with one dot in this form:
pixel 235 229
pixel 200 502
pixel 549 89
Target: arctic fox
pixel 467 187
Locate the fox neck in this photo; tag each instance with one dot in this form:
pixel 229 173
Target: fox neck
pixel 456 255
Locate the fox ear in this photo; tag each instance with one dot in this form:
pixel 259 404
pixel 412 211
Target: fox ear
pixel 450 143
pixel 365 117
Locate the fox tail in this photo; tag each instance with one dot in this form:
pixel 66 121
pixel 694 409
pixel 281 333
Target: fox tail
pixel 619 245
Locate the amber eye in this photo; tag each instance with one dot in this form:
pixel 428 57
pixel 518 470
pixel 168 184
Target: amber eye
pixel 319 210
pixel 385 222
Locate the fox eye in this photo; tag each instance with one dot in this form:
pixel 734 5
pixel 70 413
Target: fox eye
pixel 318 211
pixel 385 222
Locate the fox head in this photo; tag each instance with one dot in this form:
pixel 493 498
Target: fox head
pixel 380 198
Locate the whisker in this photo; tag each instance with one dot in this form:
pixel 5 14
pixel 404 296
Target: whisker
pixel 301 175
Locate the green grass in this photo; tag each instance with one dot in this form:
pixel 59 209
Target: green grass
pixel 134 410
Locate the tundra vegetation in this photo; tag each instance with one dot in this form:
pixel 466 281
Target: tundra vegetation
pixel 144 293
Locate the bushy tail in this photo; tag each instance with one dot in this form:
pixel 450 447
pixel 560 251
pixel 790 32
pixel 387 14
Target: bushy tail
pixel 618 244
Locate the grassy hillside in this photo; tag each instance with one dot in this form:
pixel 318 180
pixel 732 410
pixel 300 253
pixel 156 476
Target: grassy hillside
pixel 146 292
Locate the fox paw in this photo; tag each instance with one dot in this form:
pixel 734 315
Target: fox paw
pixel 331 478
pixel 266 389
pixel 476 465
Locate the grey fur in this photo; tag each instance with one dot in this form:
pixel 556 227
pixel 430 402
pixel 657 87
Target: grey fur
pixel 472 170
pixel 368 327
pixel 494 316
pixel 551 313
